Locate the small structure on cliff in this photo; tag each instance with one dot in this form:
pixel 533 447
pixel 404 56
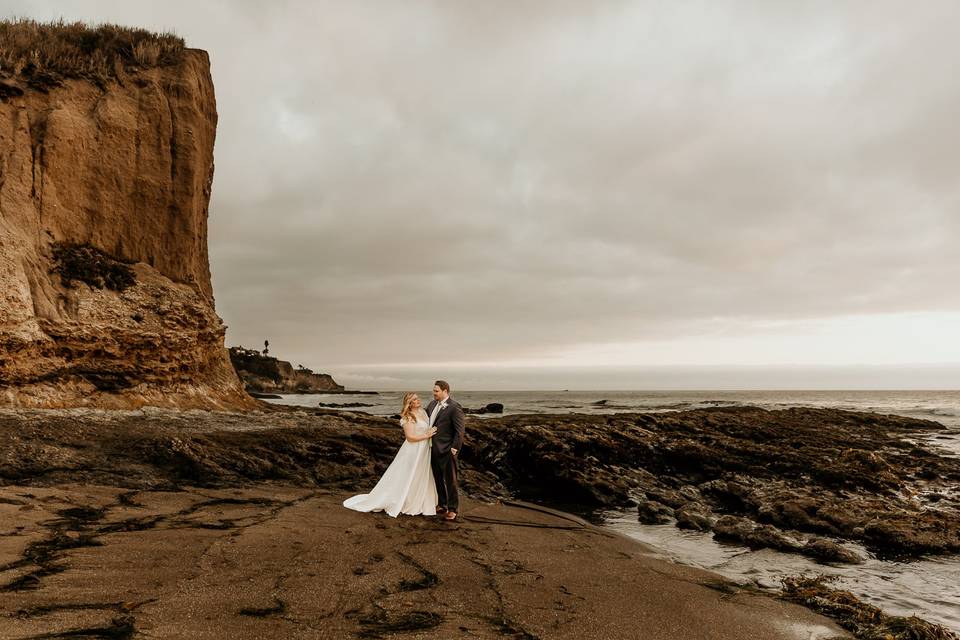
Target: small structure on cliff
pixel 265 374
pixel 106 168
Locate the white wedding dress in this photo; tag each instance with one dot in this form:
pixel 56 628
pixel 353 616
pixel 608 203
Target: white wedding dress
pixel 407 486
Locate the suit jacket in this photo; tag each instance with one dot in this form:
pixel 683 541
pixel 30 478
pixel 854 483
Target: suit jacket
pixel 449 424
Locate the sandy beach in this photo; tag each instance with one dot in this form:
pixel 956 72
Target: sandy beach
pixel 271 561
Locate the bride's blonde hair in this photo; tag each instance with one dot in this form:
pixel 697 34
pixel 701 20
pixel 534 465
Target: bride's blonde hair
pixel 406 413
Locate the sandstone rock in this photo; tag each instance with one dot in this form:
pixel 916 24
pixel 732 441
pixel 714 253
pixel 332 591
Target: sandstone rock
pixel 695 515
pixel 652 512
pixel 733 528
pixel 752 535
pixel 795 513
pixel 666 496
pixel 736 495
pixel 912 534
pixel 829 551
pixel 690 493
pixel 123 170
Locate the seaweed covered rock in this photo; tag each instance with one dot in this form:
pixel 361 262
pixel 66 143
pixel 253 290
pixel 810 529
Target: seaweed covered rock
pixel 812 475
pixel 653 512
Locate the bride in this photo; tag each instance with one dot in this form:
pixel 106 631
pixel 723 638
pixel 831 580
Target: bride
pixel 407 486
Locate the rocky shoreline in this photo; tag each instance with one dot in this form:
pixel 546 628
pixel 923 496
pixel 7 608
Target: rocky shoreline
pixel 765 478
pixel 744 473
pixel 802 480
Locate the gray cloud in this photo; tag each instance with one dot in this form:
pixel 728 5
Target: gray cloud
pixel 510 179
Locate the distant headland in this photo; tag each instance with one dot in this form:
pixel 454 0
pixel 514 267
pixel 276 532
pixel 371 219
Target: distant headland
pixel 263 374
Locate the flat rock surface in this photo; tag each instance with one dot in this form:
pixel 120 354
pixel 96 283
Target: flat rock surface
pixel 270 561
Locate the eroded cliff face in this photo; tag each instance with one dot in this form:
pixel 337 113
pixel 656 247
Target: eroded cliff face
pixel 125 170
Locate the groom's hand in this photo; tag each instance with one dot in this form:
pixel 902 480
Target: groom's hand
pixel 453 451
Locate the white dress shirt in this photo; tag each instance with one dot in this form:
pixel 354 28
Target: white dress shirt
pixel 436 410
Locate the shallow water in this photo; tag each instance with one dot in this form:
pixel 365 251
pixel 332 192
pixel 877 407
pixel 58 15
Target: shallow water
pixel 928 588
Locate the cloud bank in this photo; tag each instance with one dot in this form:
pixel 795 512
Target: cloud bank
pixel 564 183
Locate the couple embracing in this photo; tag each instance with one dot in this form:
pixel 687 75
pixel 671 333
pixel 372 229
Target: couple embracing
pixel 422 479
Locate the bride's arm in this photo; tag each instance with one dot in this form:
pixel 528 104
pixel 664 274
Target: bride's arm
pixel 410 431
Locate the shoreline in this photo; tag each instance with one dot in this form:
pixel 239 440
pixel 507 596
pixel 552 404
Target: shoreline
pixel 168 452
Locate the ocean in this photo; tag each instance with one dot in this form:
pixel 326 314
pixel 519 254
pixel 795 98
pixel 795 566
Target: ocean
pixel 941 406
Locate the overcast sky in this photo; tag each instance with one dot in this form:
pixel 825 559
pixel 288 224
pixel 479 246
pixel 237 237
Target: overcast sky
pixel 442 186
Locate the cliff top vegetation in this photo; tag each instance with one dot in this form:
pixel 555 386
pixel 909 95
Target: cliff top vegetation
pixel 43 53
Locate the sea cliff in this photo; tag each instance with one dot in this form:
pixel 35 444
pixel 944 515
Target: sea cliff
pixel 106 169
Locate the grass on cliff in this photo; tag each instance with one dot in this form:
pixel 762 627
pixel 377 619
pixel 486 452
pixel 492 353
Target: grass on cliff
pixel 43 53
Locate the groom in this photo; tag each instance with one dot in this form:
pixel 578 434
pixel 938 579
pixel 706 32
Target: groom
pixel 446 415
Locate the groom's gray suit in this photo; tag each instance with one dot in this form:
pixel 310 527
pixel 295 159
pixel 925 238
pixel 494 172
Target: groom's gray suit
pixel 449 424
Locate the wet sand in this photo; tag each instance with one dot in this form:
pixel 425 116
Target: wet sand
pixel 281 561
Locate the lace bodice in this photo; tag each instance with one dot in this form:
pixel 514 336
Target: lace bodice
pixel 423 421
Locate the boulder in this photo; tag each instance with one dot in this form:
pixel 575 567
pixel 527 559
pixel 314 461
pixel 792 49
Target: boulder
pixel 493 407
pixel 825 550
pixel 652 512
pixel 695 515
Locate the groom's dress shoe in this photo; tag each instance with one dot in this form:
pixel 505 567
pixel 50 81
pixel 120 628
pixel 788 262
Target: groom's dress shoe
pixel 441 511
pixel 450 516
